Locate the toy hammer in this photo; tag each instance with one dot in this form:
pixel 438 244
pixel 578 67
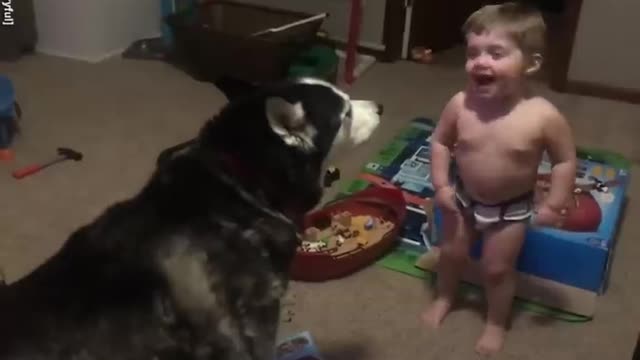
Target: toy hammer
pixel 63 155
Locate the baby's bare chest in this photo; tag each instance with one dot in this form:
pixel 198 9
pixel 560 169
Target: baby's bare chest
pixel 512 134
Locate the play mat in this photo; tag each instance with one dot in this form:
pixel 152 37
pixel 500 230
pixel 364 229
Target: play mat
pixel 602 179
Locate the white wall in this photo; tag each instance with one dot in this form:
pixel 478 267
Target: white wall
pixel 93 30
pixel 606 50
pixel 371 32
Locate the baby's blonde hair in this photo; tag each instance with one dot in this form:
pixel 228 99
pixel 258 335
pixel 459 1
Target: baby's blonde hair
pixel 522 22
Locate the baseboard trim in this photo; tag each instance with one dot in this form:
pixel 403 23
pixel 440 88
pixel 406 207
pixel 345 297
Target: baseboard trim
pixel 86 58
pixel 603 91
pixel 92 59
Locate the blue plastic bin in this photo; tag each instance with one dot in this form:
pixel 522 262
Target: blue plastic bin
pixel 169 7
pixel 7 112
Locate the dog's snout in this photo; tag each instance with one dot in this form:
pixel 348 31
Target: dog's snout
pixel 380 107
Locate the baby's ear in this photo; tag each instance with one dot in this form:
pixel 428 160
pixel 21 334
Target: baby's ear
pixel 535 64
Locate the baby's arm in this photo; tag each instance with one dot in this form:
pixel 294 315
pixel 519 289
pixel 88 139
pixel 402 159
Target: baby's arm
pixel 558 141
pixel 442 141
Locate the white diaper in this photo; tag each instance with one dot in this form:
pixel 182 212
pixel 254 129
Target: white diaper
pixel 519 208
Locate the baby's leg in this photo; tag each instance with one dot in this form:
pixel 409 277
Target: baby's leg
pixel 499 255
pixel 458 235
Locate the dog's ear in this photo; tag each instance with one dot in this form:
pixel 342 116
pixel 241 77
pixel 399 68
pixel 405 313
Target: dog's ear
pixel 288 121
pixel 234 89
pixel 283 114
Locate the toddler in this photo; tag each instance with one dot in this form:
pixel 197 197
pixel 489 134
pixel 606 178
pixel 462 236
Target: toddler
pixel 496 132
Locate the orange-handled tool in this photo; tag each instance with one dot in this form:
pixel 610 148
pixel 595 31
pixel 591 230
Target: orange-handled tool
pixel 63 155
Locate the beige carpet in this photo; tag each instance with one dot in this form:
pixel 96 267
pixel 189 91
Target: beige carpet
pixel 120 114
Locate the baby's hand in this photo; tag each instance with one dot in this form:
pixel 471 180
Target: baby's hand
pixel 446 199
pixel 545 215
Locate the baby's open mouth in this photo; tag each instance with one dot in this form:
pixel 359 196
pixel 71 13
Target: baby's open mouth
pixel 484 79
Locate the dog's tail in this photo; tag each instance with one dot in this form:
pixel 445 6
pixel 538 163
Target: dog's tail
pixel 166 154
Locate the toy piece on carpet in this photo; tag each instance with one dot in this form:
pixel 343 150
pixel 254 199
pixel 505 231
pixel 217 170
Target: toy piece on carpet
pixel 288 317
pixel 298 347
pixel 63 155
pixel 286 308
pixel 422 54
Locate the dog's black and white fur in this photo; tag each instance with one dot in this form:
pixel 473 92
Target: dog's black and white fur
pixel 194 265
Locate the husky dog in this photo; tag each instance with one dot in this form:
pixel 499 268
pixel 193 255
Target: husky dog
pixel 194 265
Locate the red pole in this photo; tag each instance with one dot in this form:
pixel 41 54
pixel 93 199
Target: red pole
pixel 352 44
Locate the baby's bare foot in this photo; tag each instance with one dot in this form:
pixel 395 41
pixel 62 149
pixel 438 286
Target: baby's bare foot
pixel 491 340
pixel 435 314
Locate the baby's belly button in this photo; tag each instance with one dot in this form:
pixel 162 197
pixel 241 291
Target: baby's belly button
pixel 489 194
pixel 496 186
pixel 490 166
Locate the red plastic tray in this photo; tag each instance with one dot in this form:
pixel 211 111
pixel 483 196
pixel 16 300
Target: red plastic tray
pixel 386 203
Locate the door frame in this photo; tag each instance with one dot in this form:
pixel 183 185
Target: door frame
pixel 559 69
pixel 394 28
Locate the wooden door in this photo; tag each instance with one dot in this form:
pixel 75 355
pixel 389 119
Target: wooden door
pixel 436 24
